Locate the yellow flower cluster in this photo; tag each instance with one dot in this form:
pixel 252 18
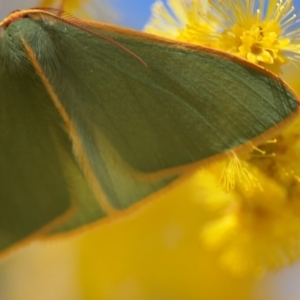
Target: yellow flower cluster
pixel 257 30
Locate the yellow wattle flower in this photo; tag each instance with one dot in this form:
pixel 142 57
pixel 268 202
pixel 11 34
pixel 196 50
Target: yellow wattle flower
pixel 183 21
pixel 256 226
pixel 254 230
pixel 257 30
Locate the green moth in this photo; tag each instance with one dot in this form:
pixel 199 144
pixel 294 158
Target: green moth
pixel 95 118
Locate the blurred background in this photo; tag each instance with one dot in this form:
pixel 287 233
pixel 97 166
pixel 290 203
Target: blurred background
pixel 128 13
pixel 154 255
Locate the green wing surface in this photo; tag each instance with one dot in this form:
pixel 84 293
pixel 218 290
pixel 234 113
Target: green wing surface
pixel 137 127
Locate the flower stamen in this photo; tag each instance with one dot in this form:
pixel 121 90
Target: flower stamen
pixel 252 29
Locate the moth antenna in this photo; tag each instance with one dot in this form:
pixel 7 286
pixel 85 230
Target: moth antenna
pixel 57 15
